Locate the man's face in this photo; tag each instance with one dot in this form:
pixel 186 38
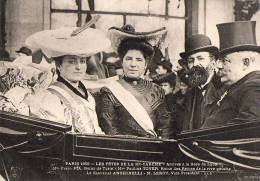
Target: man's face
pixel 201 66
pixel 160 70
pixel 167 88
pixel 134 64
pixel 230 68
pixel 201 59
pixel 73 68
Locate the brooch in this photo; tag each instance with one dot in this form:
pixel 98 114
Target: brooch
pixel 222 97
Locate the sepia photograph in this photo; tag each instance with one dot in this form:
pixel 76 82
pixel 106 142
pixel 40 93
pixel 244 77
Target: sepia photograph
pixel 129 90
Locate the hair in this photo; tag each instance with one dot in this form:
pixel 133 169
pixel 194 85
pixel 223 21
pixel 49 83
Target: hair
pixel 136 44
pixel 58 60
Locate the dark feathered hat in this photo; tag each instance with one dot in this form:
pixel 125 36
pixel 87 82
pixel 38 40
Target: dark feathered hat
pixel 168 77
pixel 25 51
pixel 165 64
pixel 125 38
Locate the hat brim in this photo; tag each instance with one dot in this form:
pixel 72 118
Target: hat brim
pixel 239 48
pixel 59 42
pixel 211 49
pixel 117 35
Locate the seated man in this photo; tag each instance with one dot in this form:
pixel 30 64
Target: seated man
pixel 199 61
pixel 132 105
pixel 67 100
pixel 239 69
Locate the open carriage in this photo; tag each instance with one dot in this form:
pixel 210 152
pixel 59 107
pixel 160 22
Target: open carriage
pixel 42 141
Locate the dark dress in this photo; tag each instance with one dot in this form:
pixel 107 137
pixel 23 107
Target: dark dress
pixel 240 104
pixel 114 119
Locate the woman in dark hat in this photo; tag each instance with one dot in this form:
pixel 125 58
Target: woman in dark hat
pixel 24 51
pixel 167 82
pixel 164 66
pixel 132 105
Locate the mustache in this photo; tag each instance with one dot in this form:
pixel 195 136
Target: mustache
pixel 197 76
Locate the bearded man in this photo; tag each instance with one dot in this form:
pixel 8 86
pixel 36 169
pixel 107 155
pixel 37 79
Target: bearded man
pixel 200 61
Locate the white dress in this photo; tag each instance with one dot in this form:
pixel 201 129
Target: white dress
pixel 60 104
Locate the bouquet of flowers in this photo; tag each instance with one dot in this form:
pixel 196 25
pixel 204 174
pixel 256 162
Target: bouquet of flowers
pixel 17 82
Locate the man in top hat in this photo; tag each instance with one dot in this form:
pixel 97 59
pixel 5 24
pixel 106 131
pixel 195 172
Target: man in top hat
pixel 133 105
pixel 239 69
pixel 199 60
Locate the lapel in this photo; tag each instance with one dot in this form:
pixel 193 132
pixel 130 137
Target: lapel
pixel 212 94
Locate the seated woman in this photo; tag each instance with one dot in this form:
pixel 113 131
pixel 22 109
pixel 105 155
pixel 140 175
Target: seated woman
pixel 67 100
pixel 132 105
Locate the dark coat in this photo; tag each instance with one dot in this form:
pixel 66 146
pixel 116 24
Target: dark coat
pixel 171 107
pixel 179 110
pixel 115 120
pixel 199 104
pixel 241 103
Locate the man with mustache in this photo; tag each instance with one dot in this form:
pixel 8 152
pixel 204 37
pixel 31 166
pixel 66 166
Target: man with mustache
pixel 199 59
pixel 239 69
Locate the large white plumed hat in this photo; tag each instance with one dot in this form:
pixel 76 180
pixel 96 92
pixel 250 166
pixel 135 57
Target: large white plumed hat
pixel 69 41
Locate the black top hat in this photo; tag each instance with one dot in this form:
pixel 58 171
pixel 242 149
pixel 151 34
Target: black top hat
pixel 198 43
pixel 237 36
pixel 165 64
pixel 25 51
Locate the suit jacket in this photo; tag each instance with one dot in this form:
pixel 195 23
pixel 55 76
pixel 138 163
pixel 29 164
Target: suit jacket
pixel 114 118
pixel 199 104
pixel 241 103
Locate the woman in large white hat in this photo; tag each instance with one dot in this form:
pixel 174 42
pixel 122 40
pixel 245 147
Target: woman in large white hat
pixel 68 100
pixel 133 105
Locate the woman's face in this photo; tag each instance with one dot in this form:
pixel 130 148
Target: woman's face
pixel 134 64
pixel 166 86
pixel 160 70
pixel 73 68
pixel 183 88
